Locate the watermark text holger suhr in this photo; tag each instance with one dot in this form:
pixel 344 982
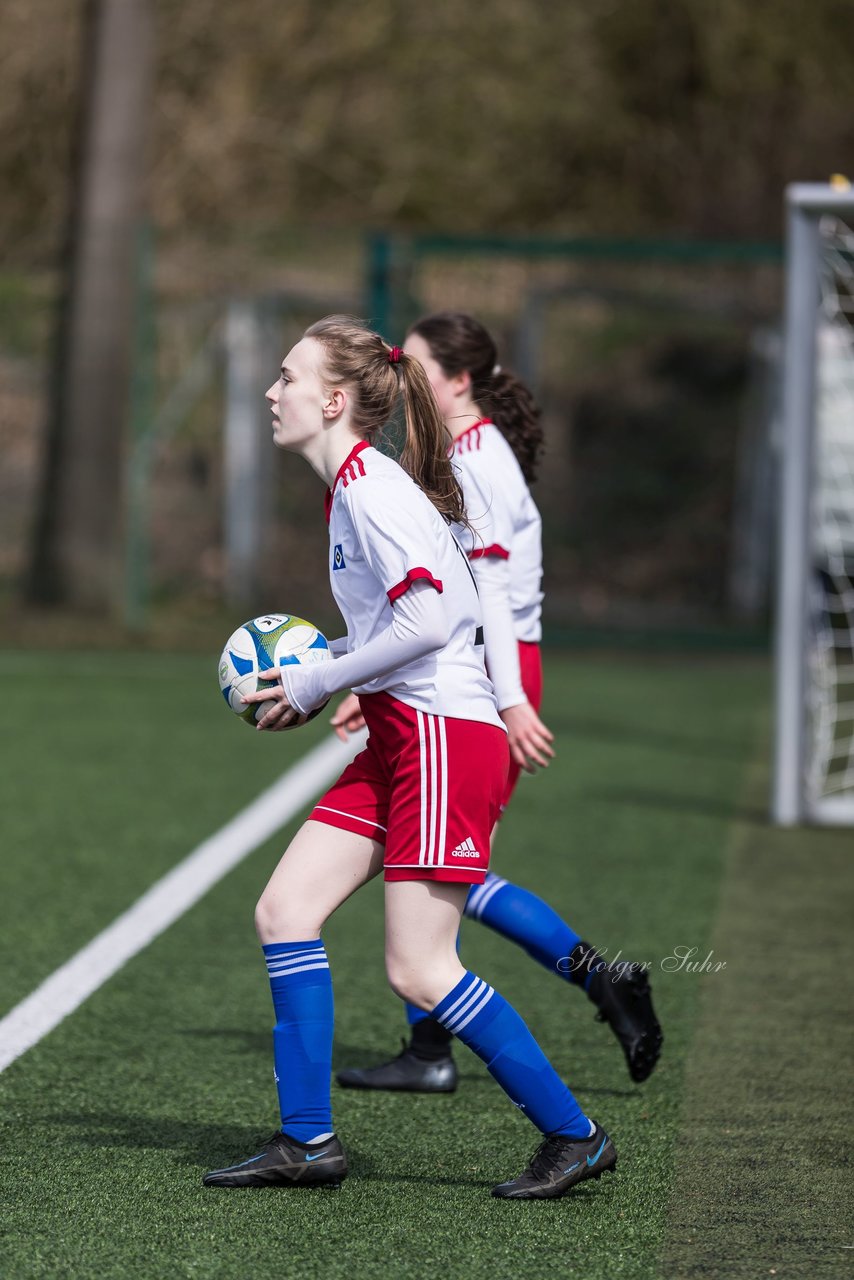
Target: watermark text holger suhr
pixel 680 960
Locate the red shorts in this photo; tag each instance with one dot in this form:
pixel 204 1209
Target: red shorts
pixel 531 669
pixel 427 787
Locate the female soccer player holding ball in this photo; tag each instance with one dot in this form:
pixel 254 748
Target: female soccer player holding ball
pixel 419 803
pixel 494 423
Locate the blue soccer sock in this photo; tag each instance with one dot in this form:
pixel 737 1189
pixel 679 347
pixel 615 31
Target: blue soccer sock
pixel 302 1037
pixel 524 918
pixel 483 1020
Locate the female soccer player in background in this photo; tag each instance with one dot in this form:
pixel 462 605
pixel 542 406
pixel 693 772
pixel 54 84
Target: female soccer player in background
pixel 494 423
pixel 421 800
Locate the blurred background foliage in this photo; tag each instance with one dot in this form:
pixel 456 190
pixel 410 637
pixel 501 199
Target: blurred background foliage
pixel 608 115
pixel 281 136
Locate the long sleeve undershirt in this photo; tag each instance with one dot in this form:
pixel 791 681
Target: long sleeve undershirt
pixel 419 626
pixel 492 574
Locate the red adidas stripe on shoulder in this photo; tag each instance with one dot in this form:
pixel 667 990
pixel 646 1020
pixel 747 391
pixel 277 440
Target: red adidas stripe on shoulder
pixel 353 465
pixel 472 438
pixel 351 468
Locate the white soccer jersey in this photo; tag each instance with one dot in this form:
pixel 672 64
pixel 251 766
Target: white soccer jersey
pixel 385 534
pixel 505 519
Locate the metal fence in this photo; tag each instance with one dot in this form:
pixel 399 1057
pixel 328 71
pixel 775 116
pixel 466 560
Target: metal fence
pixel 654 363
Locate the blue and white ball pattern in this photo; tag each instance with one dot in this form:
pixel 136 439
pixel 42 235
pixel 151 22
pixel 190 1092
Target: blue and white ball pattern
pixel 273 640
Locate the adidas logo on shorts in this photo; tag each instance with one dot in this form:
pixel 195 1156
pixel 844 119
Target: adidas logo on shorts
pixel 465 850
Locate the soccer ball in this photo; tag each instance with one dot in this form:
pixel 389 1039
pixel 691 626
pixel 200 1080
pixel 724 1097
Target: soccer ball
pixel 274 640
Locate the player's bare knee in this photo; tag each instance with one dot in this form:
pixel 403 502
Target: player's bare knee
pixel 412 993
pixel 411 983
pixel 278 921
pixel 264 922
pixel 402 980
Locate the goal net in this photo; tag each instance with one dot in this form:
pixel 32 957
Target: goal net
pixel 815 628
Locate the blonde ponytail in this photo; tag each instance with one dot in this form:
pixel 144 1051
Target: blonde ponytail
pixel 426 453
pixel 376 374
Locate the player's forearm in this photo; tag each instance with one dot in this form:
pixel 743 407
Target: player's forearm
pixel 419 626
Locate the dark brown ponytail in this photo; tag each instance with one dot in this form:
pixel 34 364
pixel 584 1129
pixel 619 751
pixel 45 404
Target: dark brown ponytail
pixel 460 344
pixel 359 359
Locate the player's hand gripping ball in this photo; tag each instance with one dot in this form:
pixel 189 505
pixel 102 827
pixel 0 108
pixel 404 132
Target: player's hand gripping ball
pixel 263 644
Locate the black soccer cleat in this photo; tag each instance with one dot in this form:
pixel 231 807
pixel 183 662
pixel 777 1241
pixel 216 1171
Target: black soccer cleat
pixel 559 1164
pixel 285 1162
pixel 623 996
pixel 407 1073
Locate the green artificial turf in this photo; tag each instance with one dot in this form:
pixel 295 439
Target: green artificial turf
pixel 763 1183
pixel 120 766
pixel 108 1123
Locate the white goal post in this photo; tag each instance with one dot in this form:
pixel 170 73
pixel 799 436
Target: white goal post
pixel 814 735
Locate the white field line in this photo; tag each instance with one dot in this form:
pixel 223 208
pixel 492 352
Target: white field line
pixel 168 899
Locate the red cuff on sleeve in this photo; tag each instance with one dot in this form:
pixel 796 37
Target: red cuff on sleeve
pixel 494 550
pixel 413 575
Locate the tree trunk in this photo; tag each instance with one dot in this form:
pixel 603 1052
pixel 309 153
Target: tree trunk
pixel 76 556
